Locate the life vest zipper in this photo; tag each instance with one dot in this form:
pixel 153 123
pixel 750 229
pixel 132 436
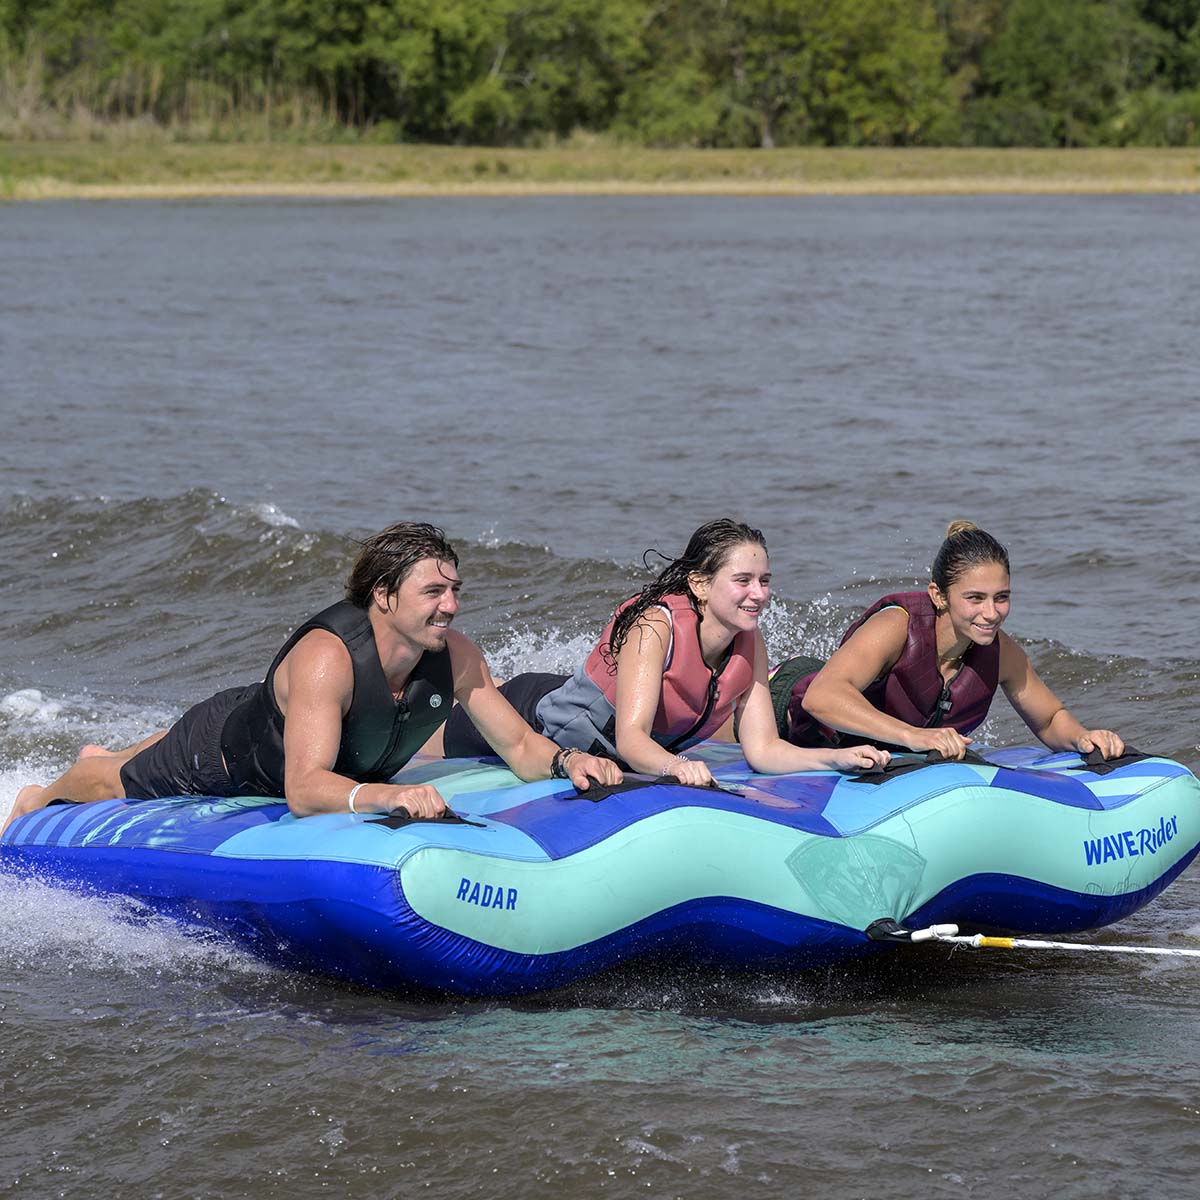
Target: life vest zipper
pixel 398 723
pixel 944 703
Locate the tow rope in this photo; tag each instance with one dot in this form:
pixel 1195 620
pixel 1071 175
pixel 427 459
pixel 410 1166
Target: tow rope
pixel 887 930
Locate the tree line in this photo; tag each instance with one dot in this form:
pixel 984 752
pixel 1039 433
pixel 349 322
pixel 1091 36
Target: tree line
pixel 727 73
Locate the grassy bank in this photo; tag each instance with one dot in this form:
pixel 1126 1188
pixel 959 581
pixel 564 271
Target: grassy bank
pixel 107 170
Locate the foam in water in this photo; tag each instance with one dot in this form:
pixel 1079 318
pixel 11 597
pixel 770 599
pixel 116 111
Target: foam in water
pixel 262 512
pixel 788 632
pixel 489 539
pixel 786 629
pixel 273 515
pixel 28 704
pixel 549 650
pixel 50 723
pixel 40 735
pixel 52 924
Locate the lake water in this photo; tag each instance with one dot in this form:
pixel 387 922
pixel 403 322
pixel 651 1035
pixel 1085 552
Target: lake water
pixel 204 403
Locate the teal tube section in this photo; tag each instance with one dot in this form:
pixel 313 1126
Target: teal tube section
pixel 541 907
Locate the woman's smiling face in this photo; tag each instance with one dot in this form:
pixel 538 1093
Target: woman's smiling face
pixel 736 595
pixel 978 602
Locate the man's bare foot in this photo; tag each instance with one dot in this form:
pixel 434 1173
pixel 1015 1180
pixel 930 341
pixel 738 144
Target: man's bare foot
pixel 92 750
pixel 29 799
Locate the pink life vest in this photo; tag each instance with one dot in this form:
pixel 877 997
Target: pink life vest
pixel 693 704
pixel 913 691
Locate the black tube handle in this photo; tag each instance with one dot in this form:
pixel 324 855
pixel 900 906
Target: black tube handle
pixel 902 764
pixel 398 818
pixel 1099 765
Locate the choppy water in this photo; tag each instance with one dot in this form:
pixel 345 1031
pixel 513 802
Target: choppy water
pixel 204 403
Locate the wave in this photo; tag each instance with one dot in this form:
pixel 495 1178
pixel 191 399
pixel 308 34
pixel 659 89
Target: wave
pixel 201 543
pixel 103 563
pixel 155 599
pixel 29 713
pixel 46 926
pixel 178 544
pixel 119 613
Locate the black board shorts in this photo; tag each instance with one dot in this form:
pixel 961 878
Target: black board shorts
pixel 187 761
pixel 785 677
pixel 460 738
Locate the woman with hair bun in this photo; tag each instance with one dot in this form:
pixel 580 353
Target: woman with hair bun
pixel 672 666
pixel 918 670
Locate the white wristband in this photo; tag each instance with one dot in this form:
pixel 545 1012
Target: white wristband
pixel 350 798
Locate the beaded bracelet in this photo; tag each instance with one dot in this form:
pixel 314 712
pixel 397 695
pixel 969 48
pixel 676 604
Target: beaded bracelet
pixel 558 764
pixel 672 763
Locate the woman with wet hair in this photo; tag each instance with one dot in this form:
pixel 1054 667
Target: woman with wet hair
pixel 918 670
pixel 675 662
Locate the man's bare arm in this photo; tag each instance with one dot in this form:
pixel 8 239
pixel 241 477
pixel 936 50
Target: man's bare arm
pixel 316 691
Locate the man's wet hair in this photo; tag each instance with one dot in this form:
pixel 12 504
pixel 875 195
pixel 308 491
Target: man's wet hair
pixel 387 558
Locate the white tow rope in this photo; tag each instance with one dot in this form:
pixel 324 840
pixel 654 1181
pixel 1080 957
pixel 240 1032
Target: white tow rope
pixel 949 935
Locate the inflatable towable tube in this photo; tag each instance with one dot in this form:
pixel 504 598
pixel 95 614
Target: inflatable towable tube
pixel 534 887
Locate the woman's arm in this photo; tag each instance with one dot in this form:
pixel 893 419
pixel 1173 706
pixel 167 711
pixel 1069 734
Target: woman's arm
pixel 1045 714
pixel 835 697
pixel 767 752
pixel 529 755
pixel 639 687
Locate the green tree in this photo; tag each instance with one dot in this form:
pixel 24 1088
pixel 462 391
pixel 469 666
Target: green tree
pixel 1179 63
pixel 543 66
pixel 1059 71
pixel 762 72
pixel 969 26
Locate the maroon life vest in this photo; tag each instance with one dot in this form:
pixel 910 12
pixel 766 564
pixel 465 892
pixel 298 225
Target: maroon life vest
pixel 913 691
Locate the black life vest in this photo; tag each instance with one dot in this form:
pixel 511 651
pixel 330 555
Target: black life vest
pixel 379 733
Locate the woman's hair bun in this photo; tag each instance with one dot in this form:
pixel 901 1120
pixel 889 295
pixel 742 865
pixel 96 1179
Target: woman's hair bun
pixel 966 546
pixel 959 527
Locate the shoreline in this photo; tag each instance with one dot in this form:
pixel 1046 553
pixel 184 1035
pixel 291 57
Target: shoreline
pixel 37 191
pixel 98 170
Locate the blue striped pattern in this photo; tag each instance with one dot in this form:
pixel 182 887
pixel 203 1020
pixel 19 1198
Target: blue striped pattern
pixel 325 892
pixel 821 803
